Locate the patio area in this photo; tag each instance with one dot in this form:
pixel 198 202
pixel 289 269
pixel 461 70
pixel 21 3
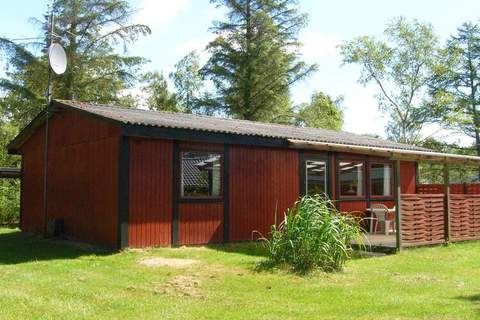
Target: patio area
pixel 378 243
pixel 380 240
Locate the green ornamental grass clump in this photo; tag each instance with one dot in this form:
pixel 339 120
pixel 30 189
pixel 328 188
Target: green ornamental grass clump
pixel 313 236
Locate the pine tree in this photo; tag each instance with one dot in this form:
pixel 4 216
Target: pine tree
pixel 89 30
pixel 255 58
pixel 456 83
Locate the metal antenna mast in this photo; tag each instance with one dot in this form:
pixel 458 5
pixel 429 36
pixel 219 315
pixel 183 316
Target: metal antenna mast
pixel 48 99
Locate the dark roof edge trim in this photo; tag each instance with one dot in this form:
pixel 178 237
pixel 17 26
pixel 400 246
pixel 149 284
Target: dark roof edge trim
pixel 145 131
pixel 198 135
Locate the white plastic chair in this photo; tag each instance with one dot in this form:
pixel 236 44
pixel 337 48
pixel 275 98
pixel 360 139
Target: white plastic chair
pixel 380 214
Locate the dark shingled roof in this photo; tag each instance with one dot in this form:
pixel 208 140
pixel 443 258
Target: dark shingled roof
pixel 231 126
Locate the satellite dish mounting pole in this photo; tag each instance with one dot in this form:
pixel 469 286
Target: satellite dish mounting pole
pixel 47 115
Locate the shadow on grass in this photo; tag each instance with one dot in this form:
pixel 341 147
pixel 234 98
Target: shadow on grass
pixel 474 299
pixel 17 247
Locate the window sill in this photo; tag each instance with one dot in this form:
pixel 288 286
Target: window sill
pixel 344 198
pixel 200 200
pixel 352 197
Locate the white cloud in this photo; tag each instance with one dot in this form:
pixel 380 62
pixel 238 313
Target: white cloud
pixel 361 111
pixel 198 45
pixel 159 13
pixel 317 45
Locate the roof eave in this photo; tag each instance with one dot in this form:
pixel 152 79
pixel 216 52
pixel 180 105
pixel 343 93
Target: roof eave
pixel 394 154
pixel 14 146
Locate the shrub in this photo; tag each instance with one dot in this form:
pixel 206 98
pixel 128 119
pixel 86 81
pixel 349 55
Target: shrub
pixel 9 200
pixel 313 235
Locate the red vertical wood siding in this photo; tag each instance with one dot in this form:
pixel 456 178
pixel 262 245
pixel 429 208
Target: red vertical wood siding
pixel 408 178
pixel 150 202
pixel 82 178
pixel 262 181
pixel 32 183
pixel 348 206
pixel 200 223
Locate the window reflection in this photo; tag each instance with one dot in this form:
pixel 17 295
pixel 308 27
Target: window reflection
pixel 316 177
pixel 381 179
pixel 351 178
pixel 201 174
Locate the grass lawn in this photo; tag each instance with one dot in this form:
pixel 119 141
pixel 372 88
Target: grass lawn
pixel 41 279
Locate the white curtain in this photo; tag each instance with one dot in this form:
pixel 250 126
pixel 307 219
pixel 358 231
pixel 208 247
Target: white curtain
pixel 387 183
pixel 359 180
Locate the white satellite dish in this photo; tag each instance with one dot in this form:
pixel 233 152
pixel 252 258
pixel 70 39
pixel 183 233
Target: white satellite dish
pixel 57 58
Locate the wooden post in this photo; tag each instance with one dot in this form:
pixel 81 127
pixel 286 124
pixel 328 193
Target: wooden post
pixel 398 192
pixel 446 188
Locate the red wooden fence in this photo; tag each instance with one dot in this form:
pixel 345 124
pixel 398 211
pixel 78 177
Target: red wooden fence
pixel 422 219
pixel 464 217
pixel 455 188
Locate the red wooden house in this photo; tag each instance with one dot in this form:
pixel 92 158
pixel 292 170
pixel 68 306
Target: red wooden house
pixel 134 178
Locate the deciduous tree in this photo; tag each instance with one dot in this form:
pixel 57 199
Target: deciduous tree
pixel 188 83
pixel 401 68
pixel 158 97
pixel 321 112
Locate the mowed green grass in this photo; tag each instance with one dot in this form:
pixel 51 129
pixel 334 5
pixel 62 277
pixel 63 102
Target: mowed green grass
pixel 41 279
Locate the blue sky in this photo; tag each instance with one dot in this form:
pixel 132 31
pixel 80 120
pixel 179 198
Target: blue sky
pixel 179 26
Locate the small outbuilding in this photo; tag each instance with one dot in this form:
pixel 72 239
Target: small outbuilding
pixel 134 178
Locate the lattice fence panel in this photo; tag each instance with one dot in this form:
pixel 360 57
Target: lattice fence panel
pixel 422 218
pixel 464 217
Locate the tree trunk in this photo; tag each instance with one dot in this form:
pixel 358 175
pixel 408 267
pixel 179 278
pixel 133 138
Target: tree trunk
pixel 71 52
pixel 248 76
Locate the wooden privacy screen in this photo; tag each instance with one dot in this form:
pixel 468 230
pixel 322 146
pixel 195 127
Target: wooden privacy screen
pixel 472 188
pixel 464 217
pixel 455 188
pixel 422 219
